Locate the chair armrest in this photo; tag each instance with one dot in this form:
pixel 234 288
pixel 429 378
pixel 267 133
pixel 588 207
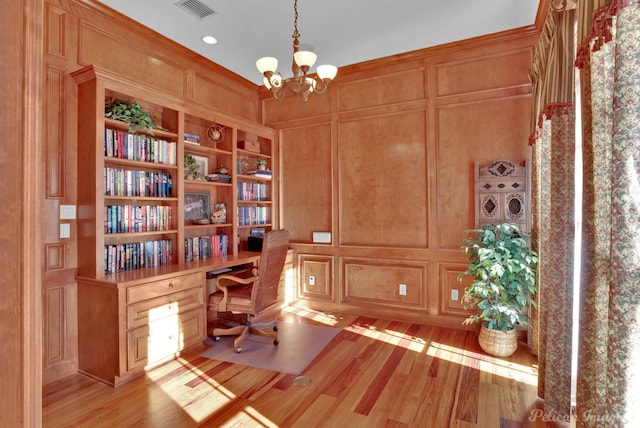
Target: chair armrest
pixel 237 281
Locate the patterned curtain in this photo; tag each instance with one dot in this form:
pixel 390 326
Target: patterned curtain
pixel 608 372
pixel 553 180
pixel 554 154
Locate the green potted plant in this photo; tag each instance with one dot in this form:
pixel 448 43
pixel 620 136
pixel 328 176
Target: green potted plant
pixel 262 164
pixel 503 267
pixel 132 114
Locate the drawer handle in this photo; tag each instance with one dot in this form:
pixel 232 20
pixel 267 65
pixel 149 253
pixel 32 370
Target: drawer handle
pixel 171 285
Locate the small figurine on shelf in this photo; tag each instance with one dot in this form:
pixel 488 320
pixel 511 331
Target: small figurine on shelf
pixel 262 164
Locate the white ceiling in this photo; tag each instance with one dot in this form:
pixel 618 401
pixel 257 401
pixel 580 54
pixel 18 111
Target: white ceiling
pixel 341 32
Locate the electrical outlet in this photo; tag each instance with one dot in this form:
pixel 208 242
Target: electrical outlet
pixel 312 280
pixel 454 295
pixel 65 230
pixel 403 289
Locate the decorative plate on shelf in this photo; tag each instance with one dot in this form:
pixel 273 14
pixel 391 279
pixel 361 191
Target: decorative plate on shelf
pixel 215 133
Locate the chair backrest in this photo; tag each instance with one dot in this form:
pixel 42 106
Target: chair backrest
pixel 274 252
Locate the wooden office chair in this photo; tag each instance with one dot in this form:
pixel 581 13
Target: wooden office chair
pixel 251 294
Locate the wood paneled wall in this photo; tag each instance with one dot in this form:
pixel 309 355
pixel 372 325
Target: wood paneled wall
pixel 21 175
pixel 385 163
pixel 79 33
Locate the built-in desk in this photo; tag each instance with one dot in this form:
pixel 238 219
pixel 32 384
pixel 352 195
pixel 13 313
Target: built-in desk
pixel 130 321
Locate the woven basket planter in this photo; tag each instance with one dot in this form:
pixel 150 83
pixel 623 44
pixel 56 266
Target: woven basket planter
pixel 498 343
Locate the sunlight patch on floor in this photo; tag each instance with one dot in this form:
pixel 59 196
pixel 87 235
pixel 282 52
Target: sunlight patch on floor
pixel 391 337
pixel 201 409
pixel 311 314
pixel 486 363
pixel 248 417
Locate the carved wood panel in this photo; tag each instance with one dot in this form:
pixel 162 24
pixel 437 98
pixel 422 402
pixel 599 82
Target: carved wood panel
pixel 502 194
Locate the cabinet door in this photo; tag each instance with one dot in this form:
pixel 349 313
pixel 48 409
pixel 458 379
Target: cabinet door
pixel 164 338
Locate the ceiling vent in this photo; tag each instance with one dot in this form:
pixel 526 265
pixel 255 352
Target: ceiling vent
pixel 196 8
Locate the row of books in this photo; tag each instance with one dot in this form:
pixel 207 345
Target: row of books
pixel 248 216
pixel 133 218
pixel 191 138
pixel 204 247
pixel 137 255
pixel 122 145
pixel 219 178
pixel 261 173
pixel 124 182
pixel 252 191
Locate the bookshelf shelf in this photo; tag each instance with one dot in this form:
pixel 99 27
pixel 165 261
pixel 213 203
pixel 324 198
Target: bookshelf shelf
pixel 250 154
pixel 203 184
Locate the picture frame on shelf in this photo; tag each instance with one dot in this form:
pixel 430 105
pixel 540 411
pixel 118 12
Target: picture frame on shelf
pixel 197 207
pixel 203 164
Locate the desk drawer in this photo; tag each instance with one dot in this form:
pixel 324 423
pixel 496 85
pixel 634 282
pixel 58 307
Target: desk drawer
pixel 150 290
pixel 164 338
pixel 142 313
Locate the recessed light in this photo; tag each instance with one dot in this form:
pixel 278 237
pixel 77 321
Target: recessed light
pixel 210 40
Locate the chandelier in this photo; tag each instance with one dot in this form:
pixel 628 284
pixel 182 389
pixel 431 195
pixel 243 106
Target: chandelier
pixel 300 84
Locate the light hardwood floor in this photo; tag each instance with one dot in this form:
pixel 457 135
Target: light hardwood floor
pixel 374 373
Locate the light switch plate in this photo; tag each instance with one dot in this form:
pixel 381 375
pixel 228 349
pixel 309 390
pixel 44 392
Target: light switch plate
pixel 322 237
pixel 67 212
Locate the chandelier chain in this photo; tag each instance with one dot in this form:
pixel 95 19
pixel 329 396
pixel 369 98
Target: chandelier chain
pixel 295 34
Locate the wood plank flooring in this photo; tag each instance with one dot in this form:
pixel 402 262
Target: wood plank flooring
pixel 374 373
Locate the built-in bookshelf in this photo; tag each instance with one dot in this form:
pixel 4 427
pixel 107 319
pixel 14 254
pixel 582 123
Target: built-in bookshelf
pixel 254 167
pixel 157 210
pixel 150 178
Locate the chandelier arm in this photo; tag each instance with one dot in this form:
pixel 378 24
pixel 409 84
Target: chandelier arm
pixel 321 85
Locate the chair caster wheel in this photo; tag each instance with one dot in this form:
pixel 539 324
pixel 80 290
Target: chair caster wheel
pixel 238 350
pixel 216 338
pixel 276 342
pixel 275 328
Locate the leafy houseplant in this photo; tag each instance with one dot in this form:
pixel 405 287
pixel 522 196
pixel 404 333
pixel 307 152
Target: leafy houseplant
pixel 132 113
pixel 262 163
pixel 503 267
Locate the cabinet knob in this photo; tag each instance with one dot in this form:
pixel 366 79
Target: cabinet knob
pixel 171 285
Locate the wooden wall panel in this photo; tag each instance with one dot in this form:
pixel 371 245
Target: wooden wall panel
pixel 294 108
pixel 488 133
pixel 207 91
pixel 407 130
pixel 383 180
pixel 60 345
pixel 56 31
pixel 307 162
pixel 382 89
pixel 110 51
pixel 448 274
pixel 378 284
pixel 321 269
pixel 501 70
pixel 55 147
